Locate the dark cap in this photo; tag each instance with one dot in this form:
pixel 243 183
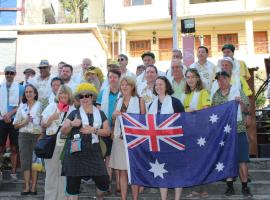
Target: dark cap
pixel 148 53
pixel 222 73
pixel 228 46
pixel 29 70
pixel 44 63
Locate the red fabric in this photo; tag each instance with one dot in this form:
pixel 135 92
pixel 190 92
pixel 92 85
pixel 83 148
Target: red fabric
pixel 63 107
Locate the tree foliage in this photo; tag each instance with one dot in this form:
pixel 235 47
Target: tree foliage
pixel 74 10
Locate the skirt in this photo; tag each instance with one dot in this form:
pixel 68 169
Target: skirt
pixel 118 155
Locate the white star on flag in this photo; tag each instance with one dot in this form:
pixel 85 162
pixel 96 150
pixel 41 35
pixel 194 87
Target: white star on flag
pixel 227 128
pixel 201 141
pixel 219 167
pixel 213 118
pixel 222 143
pixel 158 169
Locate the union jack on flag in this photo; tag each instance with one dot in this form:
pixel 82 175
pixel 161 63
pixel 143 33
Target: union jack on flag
pixel 154 129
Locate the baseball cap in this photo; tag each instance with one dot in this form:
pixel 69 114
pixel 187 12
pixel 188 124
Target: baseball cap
pixel 10 69
pixel 44 63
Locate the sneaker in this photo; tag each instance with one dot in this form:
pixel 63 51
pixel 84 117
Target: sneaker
pixel 246 192
pixel 13 177
pixel 229 191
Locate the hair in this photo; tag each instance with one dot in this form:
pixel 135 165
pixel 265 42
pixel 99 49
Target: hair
pixel 130 81
pixel 178 51
pixel 124 56
pixel 153 66
pixel 66 90
pixel 178 62
pixel 115 71
pixel 168 87
pixel 62 63
pixel 68 66
pixel 148 53
pixel 57 79
pixel 24 100
pixel 199 84
pixel 203 47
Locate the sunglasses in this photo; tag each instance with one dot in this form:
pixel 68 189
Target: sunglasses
pixel 42 67
pixel 120 59
pixel 10 73
pixel 81 96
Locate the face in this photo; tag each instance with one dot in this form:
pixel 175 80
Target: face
pixel 29 93
pixel 223 82
pixel 191 80
pixel 86 63
pixel 59 68
pixel 63 97
pixel 85 98
pixel 228 53
pixel 202 54
pixel 150 74
pixel 55 86
pixel 177 55
pixel 139 70
pixel 122 62
pixel 28 75
pixel 148 60
pixel 91 77
pixel 160 87
pixel 226 66
pixel 44 71
pixel 126 89
pixel 113 79
pixel 176 70
pixel 66 73
pixel 10 76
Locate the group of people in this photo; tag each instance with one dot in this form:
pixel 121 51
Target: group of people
pixel 83 109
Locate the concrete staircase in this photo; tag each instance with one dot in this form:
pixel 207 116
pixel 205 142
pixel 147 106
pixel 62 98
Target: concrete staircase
pixel 259 172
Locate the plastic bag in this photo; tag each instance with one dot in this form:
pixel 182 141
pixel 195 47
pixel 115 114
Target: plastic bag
pixel 37 164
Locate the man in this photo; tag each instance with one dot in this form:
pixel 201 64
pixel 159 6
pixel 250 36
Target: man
pixel 240 67
pixel 139 70
pixel 66 75
pixel 177 80
pixel 78 77
pixel 205 68
pixel 28 73
pixel 60 67
pixel 56 82
pixel 11 93
pixel 43 82
pixel 90 76
pixel 106 102
pixel 123 62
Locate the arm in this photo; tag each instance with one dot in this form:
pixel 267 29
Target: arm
pixel 142 106
pixel 105 131
pixel 46 123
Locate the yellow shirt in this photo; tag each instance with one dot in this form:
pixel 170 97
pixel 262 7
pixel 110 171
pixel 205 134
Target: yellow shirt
pixel 244 70
pixel 204 100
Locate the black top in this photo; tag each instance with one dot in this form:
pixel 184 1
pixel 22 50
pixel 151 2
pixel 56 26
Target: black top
pixel 176 104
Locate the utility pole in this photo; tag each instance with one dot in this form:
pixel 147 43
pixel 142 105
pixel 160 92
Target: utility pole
pixel 174 24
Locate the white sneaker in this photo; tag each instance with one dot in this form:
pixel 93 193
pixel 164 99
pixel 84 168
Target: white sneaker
pixel 13 177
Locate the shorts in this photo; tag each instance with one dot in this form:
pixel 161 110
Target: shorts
pixel 243 148
pixel 73 184
pixel 8 130
pixel 108 141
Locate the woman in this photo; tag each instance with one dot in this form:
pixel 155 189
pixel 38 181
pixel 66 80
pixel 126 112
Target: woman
pixel 83 154
pixel 195 97
pixel 130 103
pixel 164 103
pixel 27 120
pixel 52 117
pixel 226 93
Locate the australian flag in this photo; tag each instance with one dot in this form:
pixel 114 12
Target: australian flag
pixel 182 149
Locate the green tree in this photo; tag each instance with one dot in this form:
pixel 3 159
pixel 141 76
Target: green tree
pixel 74 10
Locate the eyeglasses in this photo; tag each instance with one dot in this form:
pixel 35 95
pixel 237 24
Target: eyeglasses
pixel 120 59
pixel 42 67
pixel 10 73
pixel 81 96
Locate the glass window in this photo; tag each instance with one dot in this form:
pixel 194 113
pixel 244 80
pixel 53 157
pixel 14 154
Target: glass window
pixel 260 42
pixel 8 17
pixel 8 3
pixel 230 38
pixel 137 48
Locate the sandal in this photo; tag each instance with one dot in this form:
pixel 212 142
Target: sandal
pixel 204 195
pixel 193 194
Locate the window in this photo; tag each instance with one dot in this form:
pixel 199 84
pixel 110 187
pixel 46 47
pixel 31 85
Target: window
pixel 165 48
pixel 136 2
pixel 260 42
pixel 8 12
pixel 206 43
pixel 137 48
pixel 230 38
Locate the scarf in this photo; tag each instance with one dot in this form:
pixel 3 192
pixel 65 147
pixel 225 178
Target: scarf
pixel 133 107
pixel 96 124
pixel 14 97
pixel 105 101
pixel 166 106
pixel 62 107
pixel 193 104
pixel 235 92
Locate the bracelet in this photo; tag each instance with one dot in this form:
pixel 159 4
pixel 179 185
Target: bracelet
pixel 96 131
pixel 246 113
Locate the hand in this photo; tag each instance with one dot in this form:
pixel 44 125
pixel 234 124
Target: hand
pixel 87 130
pixel 76 122
pixel 239 100
pixel 30 118
pixel 55 116
pixel 116 113
pixel 7 118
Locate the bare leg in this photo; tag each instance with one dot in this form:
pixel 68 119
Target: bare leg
pixel 123 183
pixel 34 181
pixel 178 192
pixel 26 175
pixel 13 158
pixel 243 172
pixel 135 191
pixel 163 193
pixel 72 198
pixel 99 194
pixel 117 178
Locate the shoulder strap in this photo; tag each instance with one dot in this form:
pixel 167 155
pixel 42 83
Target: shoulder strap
pixel 61 123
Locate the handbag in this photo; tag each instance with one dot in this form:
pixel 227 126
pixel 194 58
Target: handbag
pixel 45 146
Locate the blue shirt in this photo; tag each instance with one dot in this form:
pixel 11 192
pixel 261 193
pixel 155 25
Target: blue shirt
pixel 112 101
pixel 21 91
